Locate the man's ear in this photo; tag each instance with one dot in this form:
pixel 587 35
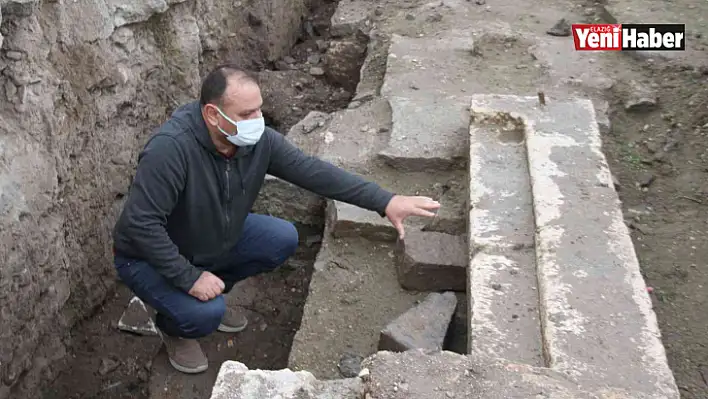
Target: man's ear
pixel 211 115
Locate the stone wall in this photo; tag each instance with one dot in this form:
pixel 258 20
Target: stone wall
pixel 83 84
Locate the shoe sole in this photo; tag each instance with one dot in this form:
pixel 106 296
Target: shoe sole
pixel 189 370
pixel 229 329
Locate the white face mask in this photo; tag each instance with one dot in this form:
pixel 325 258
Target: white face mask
pixel 248 132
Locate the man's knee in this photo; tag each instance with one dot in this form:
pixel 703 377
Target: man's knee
pixel 287 239
pixel 202 319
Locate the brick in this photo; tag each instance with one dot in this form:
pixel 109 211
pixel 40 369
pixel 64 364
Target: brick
pixel 430 261
pixel 350 221
pixel 422 327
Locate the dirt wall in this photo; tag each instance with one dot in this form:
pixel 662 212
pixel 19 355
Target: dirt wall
pixel 83 84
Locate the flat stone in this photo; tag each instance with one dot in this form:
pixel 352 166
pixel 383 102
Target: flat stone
pixel 599 325
pixel 351 221
pixel 501 213
pixel 504 313
pixel 423 326
pixel 353 135
pixel 287 201
pixel 427 133
pixel 131 11
pixel 430 261
pixel 137 318
pixel 419 374
pixel 235 380
pixel 431 66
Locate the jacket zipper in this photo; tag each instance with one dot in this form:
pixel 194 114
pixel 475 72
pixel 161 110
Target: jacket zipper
pixel 228 197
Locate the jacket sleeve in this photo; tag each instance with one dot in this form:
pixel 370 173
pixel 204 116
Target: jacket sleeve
pixel 291 164
pixel 158 182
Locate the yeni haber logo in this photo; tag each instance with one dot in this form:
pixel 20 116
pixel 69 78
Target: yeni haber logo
pixel 629 37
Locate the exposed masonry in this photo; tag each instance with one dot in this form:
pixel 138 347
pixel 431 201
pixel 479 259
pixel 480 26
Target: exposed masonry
pixel 556 301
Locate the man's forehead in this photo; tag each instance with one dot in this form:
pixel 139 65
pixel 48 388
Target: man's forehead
pixel 242 95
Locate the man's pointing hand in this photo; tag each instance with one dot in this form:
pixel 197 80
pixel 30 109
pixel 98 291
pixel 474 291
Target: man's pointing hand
pixel 400 207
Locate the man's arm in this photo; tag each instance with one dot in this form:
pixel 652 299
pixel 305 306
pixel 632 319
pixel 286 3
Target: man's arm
pixel 159 179
pixel 291 164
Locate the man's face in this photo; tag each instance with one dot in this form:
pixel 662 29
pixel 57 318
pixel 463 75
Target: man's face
pixel 242 100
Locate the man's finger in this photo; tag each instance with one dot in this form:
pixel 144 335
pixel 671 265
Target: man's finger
pixel 399 227
pixel 423 212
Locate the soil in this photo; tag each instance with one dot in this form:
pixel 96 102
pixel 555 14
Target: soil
pixel 107 363
pixel 661 162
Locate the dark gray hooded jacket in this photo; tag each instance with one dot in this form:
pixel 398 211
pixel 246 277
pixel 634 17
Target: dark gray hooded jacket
pixel 188 203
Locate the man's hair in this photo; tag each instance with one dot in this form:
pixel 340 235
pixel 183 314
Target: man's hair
pixel 215 83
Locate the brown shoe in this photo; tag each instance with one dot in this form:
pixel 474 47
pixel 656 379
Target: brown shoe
pixel 234 320
pixel 185 354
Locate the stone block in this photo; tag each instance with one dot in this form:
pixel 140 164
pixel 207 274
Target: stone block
pixel 287 201
pixel 350 221
pixel 235 380
pixel 423 326
pixel 353 135
pixel 429 133
pixel 350 18
pixel 438 65
pixel 418 374
pixel 599 325
pixel 137 318
pixel 430 261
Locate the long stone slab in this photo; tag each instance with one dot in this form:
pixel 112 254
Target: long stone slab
pixel 353 294
pixel 419 374
pixel 599 326
pixel 504 316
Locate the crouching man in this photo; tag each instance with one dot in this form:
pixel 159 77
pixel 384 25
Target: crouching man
pixel 186 236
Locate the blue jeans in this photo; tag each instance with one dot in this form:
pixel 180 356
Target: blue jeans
pixel 266 243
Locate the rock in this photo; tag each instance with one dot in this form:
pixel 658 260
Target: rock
pixel 350 365
pixel 107 365
pixel 423 326
pixel 14 55
pixel 137 319
pixel 646 179
pixel 436 17
pixel 410 17
pixel 640 99
pixel 343 60
pixel 314 58
pixel 350 221
pixel 289 59
pixel 480 2
pixel 430 261
pixel 317 71
pixel 235 380
pixel 561 28
pixel 287 201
